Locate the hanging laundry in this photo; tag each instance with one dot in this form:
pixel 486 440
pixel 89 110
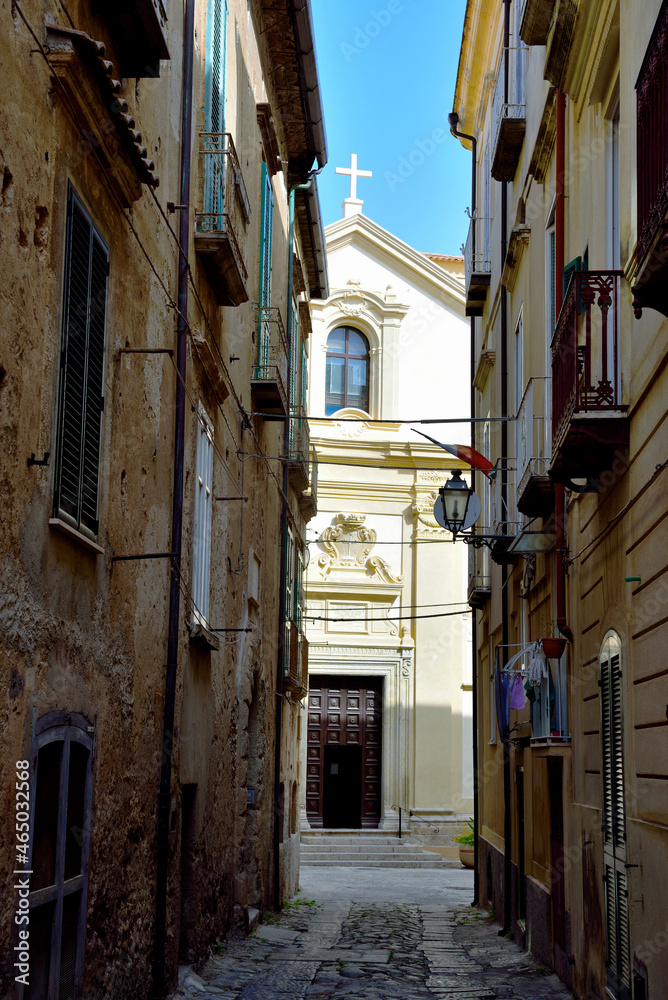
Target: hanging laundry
pixel 537 666
pixel 517 699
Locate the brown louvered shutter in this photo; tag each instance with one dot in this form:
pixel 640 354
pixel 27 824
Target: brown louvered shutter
pixel 614 821
pixel 81 371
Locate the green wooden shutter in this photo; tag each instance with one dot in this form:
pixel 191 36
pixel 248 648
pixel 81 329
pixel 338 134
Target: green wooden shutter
pixel 81 370
pixel 264 295
pixel 214 109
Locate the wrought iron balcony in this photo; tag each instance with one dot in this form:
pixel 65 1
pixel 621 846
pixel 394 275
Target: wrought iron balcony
pixel 589 422
pixel 221 225
pixel 308 500
pixel 652 170
pixel 480 580
pixel 299 447
pixel 509 127
pixel 535 21
pixel 534 488
pixel 295 659
pixel 269 376
pixel 477 269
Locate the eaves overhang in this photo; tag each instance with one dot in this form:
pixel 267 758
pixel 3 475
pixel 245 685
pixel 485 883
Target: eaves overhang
pixel 288 43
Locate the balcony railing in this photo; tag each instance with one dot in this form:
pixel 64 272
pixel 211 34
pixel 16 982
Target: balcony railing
pixel 308 501
pixel 652 171
pixel 588 417
pixel 480 580
pixel 299 447
pixel 509 126
pixel 477 268
pixel 535 21
pixel 534 488
pixel 295 659
pixel 269 377
pixel 221 225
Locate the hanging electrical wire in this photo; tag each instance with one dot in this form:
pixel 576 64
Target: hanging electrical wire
pixel 444 614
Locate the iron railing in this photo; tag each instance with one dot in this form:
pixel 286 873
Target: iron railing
pixel 585 350
pixel 533 438
pixel 502 110
pixel 226 208
pixel 476 252
pixel 652 156
pixel 272 348
pixel 299 437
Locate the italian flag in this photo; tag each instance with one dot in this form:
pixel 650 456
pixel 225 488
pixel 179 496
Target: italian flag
pixel 466 454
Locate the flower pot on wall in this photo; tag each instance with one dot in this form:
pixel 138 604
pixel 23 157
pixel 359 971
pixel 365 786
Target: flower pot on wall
pixel 553 648
pixel 466 856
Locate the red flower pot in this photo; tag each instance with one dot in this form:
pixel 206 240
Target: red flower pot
pixel 553 648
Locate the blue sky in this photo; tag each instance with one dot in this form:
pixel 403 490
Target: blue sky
pixel 387 73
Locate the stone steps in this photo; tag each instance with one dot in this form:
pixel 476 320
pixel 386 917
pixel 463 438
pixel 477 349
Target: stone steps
pixel 366 849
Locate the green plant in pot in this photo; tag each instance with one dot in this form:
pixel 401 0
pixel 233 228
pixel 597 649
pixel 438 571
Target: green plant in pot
pixel 466 841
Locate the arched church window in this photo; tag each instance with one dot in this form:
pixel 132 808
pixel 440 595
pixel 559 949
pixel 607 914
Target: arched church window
pixel 347 378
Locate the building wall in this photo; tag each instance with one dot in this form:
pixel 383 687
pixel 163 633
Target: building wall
pixel 82 633
pixel 409 307
pixel 611 534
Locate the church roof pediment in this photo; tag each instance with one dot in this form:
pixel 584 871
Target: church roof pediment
pixel 393 254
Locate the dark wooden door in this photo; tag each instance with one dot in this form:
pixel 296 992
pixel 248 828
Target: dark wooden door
pixel 561 966
pixel 344 712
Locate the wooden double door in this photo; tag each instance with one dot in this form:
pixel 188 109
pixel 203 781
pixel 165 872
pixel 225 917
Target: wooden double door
pixel 344 752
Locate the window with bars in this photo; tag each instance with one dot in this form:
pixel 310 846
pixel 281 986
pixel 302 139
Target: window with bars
pixel 81 381
pixel 61 810
pixel 614 820
pixel 201 546
pixel 347 371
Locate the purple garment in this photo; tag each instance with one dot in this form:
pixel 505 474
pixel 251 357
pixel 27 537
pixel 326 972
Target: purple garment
pixel 517 698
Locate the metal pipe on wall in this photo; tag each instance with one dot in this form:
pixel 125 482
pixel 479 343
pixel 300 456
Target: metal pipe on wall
pixel 507 824
pixel 160 985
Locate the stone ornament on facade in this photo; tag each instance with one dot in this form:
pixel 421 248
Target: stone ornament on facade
pixel 426 525
pixel 348 545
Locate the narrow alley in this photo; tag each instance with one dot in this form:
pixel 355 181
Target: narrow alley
pixel 376 934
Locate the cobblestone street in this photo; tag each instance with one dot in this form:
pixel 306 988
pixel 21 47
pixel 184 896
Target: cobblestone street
pixel 353 934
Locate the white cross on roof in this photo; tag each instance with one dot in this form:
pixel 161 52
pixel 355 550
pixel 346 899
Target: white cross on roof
pixel 353 173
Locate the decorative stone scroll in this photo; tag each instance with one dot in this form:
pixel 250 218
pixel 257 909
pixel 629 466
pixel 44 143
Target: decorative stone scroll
pixel 348 544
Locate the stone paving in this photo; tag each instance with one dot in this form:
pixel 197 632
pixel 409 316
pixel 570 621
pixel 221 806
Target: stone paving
pixel 379 935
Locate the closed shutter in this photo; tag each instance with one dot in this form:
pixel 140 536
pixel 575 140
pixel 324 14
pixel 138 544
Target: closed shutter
pixel 201 557
pixel 614 821
pixel 264 298
pixel 214 110
pixel 81 371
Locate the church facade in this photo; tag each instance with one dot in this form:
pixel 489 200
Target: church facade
pixel 388 727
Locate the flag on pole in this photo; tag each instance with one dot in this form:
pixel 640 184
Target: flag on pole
pixel 466 454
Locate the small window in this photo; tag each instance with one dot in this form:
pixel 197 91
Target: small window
pixel 347 371
pixel 61 795
pixel 80 399
pixel 201 555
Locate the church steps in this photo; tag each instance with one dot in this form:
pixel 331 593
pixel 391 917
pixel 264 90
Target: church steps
pixel 366 848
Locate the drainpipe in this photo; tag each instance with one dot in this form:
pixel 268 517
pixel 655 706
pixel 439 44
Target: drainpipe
pixel 507 830
pixel 278 805
pixel 164 797
pixel 560 242
pixel 453 119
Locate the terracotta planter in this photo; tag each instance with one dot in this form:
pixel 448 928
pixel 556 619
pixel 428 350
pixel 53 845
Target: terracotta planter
pixel 466 856
pixel 553 648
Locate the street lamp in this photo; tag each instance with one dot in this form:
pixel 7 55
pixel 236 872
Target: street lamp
pixel 455 497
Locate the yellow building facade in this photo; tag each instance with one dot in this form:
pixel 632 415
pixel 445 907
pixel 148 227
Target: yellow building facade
pixel 563 107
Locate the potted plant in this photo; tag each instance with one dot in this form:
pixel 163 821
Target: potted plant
pixel 466 840
pixel 551 643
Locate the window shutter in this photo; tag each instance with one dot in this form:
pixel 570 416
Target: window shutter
pixel 606 750
pixel 82 370
pixel 214 110
pixel 617 762
pixel 201 557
